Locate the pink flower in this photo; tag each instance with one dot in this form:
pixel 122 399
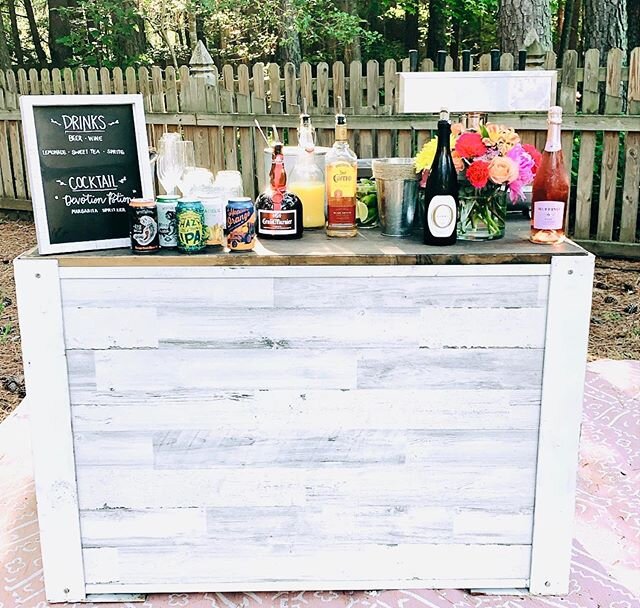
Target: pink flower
pixel 526 164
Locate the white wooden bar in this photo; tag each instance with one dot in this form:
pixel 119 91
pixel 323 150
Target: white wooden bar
pixel 314 415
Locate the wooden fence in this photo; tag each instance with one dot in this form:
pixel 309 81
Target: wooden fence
pixel 216 109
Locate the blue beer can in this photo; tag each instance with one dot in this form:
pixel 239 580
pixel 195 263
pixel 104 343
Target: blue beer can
pixel 241 224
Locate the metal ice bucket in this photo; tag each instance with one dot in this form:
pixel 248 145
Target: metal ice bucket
pixel 397 186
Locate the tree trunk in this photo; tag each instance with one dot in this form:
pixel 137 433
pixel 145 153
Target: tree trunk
pixel 575 26
pixel 454 47
pixel 193 29
pixel 519 19
pixel 411 37
pixel 567 22
pixel 35 35
pixel 289 43
pixel 59 27
pixel 353 51
pixel 15 34
pixel 605 25
pixel 560 22
pixel 5 57
pixel 436 28
pixel 633 20
pixel 132 42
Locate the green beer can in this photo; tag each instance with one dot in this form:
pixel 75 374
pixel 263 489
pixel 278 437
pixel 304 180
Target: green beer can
pixel 192 227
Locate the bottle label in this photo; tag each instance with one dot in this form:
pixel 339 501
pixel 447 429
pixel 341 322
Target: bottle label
pixel 342 180
pixel 344 215
pixel 441 215
pixel 145 230
pixel 276 222
pixel 548 215
pixel 167 224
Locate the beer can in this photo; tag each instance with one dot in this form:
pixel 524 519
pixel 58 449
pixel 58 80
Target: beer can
pixel 143 225
pixel 192 227
pixel 241 224
pixel 167 225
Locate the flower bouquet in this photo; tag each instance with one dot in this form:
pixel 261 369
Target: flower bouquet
pixel 492 165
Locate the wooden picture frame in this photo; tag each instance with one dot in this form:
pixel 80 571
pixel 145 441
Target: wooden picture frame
pixel 28 105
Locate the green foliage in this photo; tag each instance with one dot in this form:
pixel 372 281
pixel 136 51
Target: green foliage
pixel 100 32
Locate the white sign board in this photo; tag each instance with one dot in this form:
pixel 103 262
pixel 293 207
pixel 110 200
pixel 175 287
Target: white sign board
pixel 87 157
pixel 429 92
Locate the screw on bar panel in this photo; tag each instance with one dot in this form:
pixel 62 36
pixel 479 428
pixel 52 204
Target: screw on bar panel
pixel 37 275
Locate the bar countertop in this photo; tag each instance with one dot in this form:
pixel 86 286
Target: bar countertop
pixel 316 249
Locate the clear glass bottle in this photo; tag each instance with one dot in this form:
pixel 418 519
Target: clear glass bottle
pixel 550 188
pixel 341 178
pixel 307 180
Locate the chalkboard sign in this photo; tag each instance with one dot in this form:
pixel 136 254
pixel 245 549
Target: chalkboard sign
pixel 87 157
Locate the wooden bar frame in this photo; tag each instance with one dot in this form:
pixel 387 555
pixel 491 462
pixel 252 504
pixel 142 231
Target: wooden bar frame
pixel 45 369
pixel 569 311
pixel 41 317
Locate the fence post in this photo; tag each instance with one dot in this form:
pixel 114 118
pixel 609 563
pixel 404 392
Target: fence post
pixel 535 51
pixel 201 64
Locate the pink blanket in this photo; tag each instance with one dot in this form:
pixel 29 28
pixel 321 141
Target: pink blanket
pixel 606 555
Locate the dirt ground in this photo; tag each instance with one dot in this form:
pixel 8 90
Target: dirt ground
pixel 615 319
pixel 15 237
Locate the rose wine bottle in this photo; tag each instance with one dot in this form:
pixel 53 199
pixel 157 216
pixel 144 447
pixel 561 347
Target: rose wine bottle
pixel 441 192
pixel 550 188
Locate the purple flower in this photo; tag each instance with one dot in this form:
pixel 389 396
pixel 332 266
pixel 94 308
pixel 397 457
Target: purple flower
pixel 526 166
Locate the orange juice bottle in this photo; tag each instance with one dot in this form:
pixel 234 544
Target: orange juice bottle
pixel 306 179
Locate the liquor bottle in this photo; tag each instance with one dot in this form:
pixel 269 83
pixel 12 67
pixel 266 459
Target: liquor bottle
pixel 441 193
pixel 279 211
pixel 307 180
pixel 550 187
pixel 341 175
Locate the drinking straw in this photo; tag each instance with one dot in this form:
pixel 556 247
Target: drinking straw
pixel 266 141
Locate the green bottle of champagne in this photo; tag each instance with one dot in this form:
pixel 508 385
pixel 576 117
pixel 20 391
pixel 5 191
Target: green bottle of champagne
pixel 441 192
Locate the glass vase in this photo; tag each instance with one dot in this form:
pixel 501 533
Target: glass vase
pixel 483 213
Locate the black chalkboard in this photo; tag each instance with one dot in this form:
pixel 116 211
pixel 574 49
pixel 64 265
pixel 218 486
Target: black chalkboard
pixel 85 166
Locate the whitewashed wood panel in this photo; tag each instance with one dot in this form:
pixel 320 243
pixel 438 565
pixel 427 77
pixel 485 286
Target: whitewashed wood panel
pixel 485 327
pixel 412 292
pixel 211 449
pixel 184 292
pixel 174 370
pixel 82 375
pixel 100 328
pixel 434 485
pixel 124 527
pixel 370 563
pixel 477 526
pixel 289 328
pixel 106 449
pixel 219 529
pixel 479 369
pixel 324 411
pixel 260 272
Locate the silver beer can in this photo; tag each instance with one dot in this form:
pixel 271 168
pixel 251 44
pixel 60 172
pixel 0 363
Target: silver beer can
pixel 167 223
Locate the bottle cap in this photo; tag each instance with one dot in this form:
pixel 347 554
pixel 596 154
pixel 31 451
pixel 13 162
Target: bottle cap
pixel 555 115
